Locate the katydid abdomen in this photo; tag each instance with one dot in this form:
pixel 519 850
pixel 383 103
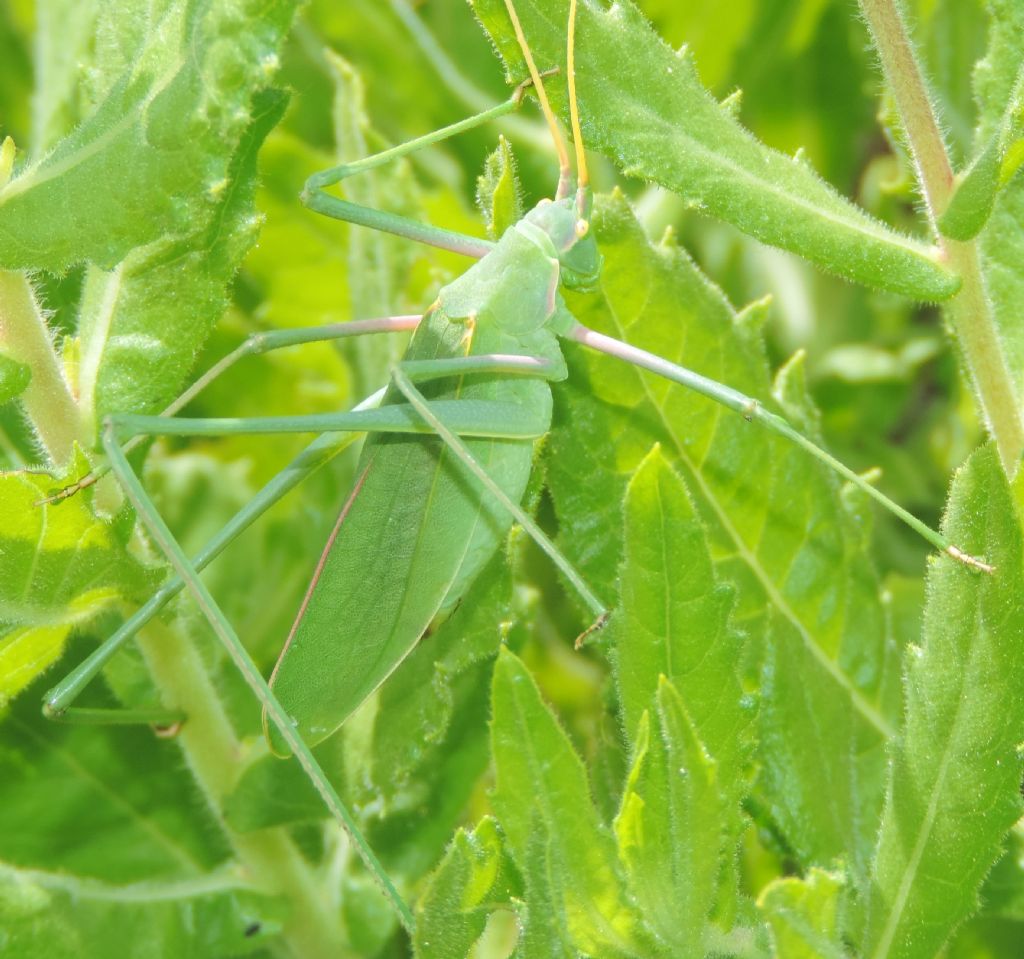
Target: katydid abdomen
pixel 418 528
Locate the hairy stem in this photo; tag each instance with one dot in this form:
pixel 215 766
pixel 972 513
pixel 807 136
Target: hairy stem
pixel 214 755
pixel 47 399
pixel 970 312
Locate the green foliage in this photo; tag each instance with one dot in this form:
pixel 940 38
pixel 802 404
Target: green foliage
pixel 795 737
pixel 682 139
pixel 949 756
pixel 61 566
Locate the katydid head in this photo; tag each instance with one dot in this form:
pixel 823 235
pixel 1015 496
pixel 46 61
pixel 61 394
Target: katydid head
pixel 566 219
pixel 570 235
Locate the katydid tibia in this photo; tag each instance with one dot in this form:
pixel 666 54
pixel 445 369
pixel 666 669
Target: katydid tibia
pixel 447 461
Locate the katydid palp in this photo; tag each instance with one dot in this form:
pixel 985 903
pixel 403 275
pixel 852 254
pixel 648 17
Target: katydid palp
pixel 448 459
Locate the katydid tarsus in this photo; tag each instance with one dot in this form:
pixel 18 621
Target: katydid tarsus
pixel 447 460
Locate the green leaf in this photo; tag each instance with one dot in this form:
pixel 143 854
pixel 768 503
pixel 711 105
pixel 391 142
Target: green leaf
pixel 59 567
pixel 674 826
pixel 543 803
pixel 461 894
pixel 1003 892
pixel 14 377
pixel 954 787
pixel 674 620
pixel 803 914
pixel 414 709
pixel 375 259
pixel 975 195
pixel 275 792
pixel 657 121
pixel 415 750
pixel 153 159
pixel 65 66
pixel 778 527
pixel 498 194
pixel 142 324
pixel 997 82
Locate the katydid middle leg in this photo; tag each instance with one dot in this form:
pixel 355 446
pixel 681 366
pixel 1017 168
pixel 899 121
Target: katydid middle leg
pixel 403 378
pixel 256 344
pixel 752 410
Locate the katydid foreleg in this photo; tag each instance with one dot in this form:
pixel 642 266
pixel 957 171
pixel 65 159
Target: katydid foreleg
pixel 243 661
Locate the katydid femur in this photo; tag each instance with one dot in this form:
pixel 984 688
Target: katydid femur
pixel 447 461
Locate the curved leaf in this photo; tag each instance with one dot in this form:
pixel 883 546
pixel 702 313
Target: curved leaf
pixel 643 104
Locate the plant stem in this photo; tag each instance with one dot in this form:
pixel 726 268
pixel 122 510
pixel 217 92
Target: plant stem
pixel 47 399
pixel 969 312
pixel 214 754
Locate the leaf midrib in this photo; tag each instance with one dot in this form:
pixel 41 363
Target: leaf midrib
pixel 870 714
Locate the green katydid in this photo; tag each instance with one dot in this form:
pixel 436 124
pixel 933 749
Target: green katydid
pixel 446 464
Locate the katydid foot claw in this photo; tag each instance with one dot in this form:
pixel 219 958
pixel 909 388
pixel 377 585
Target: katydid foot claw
pixel 594 627
pixel 972 561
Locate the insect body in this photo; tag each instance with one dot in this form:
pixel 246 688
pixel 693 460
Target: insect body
pixel 372 605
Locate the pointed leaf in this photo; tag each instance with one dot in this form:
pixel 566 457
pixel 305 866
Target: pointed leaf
pixel 954 787
pixel 498 193
pixel 543 802
pixel 461 894
pixel 59 567
pixel 803 914
pixel 673 621
pixel 674 826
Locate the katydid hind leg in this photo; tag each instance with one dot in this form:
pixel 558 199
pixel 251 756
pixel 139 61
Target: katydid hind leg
pixel 754 411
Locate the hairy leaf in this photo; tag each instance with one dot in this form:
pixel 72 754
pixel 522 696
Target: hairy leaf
pixel 153 159
pixel 803 915
pixel 498 194
pixel 461 894
pixel 673 622
pixel 1002 241
pixel 68 917
pixel 59 567
pixel 954 786
pixel 142 323
pixel 543 803
pixel 643 104
pixel 674 825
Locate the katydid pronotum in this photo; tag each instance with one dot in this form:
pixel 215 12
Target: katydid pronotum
pixel 445 466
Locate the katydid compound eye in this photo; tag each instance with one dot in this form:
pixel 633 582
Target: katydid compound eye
pixel 582 228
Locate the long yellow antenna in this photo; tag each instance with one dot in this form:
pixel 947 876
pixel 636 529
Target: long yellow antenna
pixel 574 110
pixel 564 168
